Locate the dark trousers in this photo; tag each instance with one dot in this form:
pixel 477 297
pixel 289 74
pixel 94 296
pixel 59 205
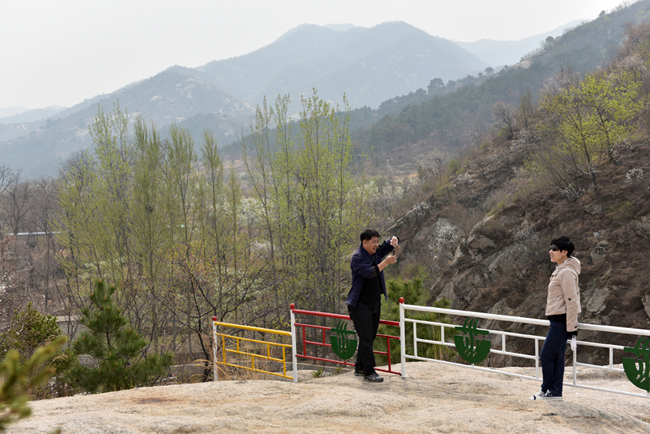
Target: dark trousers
pixel 552 358
pixel 366 322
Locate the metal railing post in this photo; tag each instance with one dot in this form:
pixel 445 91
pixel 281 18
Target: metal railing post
pixel 294 346
pixel 402 337
pixel 536 358
pixel 214 347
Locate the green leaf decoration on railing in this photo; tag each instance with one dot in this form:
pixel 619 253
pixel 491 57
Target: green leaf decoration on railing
pixel 342 343
pixel 469 348
pixel 637 369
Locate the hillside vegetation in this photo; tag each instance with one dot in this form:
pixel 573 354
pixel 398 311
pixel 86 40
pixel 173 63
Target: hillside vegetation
pixel 574 164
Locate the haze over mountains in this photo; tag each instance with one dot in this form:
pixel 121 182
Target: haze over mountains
pixel 369 65
pixel 26 115
pixel 499 53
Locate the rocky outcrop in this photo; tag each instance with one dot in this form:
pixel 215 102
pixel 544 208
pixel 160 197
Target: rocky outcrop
pixel 498 261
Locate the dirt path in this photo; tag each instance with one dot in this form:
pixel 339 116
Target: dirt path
pixel 433 399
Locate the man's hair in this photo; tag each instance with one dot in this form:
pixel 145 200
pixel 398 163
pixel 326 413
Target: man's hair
pixel 368 234
pixel 564 243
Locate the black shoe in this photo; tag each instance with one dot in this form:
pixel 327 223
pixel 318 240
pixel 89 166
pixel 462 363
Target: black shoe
pixel 373 378
pixel 358 373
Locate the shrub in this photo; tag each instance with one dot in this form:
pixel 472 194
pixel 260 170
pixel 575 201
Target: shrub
pixel 18 378
pixel 28 330
pixel 453 165
pixel 622 211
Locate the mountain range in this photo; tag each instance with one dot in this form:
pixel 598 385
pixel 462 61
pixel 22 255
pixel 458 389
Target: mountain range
pixel 15 115
pixel 369 65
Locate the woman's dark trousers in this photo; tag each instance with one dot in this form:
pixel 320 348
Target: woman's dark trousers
pixel 552 358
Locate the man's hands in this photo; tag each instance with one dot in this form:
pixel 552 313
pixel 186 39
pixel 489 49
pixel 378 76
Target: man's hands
pixel 390 259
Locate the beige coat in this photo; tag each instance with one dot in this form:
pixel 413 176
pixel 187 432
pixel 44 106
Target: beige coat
pixel 564 293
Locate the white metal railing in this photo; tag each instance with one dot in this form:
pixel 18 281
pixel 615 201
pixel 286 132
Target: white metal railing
pixel 504 334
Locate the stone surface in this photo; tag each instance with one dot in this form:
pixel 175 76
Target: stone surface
pixel 599 253
pixel 435 398
pixel 477 243
pixel 593 209
pixel 646 304
pixel 644 226
pixel 594 300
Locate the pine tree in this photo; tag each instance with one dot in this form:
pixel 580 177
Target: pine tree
pixel 117 348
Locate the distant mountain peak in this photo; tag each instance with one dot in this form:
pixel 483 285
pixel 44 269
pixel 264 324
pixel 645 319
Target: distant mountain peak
pixel 342 27
pixel 300 29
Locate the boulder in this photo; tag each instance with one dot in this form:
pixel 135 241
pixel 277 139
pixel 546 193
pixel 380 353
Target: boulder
pixel 448 292
pixel 599 253
pixel 593 209
pixel 593 301
pixel 479 244
pixel 644 225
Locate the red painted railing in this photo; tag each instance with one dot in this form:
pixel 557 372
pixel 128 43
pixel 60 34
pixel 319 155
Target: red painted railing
pixel 324 343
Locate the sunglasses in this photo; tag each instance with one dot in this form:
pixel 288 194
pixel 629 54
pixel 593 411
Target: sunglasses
pixel 554 248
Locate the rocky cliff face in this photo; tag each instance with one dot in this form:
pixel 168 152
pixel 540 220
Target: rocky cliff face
pixel 484 238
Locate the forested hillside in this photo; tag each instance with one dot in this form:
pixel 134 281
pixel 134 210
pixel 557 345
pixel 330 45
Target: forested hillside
pixel 456 113
pixel 573 164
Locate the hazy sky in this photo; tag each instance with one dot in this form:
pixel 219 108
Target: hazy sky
pixel 61 52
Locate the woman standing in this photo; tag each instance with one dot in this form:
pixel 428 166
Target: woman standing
pixel 562 308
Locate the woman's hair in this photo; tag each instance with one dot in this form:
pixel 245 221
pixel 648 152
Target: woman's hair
pixel 564 243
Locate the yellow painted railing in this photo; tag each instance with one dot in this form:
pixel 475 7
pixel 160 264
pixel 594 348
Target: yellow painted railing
pixel 253 356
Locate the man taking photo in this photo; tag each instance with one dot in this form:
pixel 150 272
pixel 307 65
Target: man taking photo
pixel 364 298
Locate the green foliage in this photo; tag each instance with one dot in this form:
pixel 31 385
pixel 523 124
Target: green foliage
pixel 117 348
pixel 413 292
pixel 318 373
pixel 312 206
pixel 585 121
pixel 18 378
pixel 173 230
pixel 622 211
pixel 453 165
pixel 28 330
pixel 499 206
pixel 415 270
